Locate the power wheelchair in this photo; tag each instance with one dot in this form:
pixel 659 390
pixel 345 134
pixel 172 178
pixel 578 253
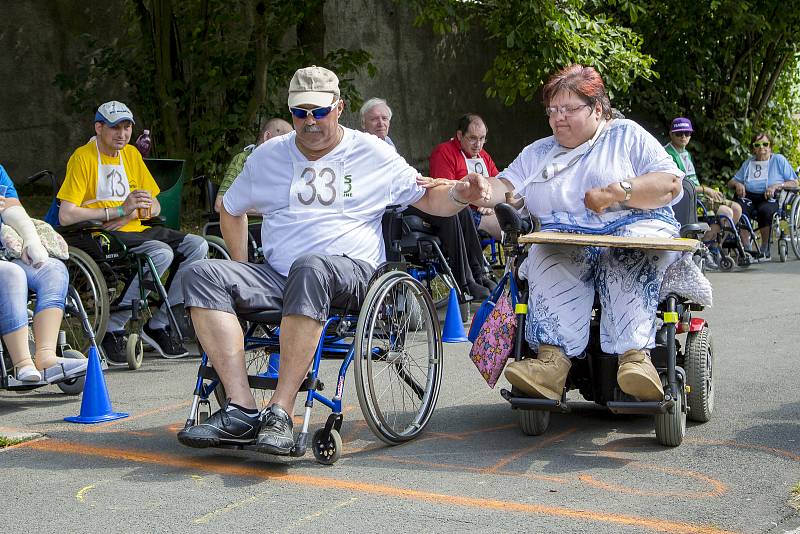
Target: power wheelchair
pixel 101 269
pixel 686 369
pixel 393 340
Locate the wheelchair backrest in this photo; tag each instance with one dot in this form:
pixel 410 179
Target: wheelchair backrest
pixel 686 209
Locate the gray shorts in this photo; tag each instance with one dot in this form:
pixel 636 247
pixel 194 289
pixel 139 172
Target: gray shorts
pixel 315 283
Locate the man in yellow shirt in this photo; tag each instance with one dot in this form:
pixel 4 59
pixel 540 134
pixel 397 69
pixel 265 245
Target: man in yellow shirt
pixel 107 180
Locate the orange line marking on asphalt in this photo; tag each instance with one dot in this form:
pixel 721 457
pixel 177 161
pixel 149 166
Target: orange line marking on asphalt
pixel 731 443
pixel 103 426
pixel 719 487
pixel 517 455
pixel 206 465
pixel 479 470
pixel 462 435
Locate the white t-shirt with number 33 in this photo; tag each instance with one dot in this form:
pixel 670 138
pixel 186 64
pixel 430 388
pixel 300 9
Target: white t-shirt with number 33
pixel 329 206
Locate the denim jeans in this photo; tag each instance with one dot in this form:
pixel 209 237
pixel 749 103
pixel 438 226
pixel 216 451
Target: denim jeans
pixel 49 282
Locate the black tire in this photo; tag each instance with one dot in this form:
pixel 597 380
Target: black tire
pixel 794 226
pixel 671 427
pixel 398 358
pixel 533 422
pixel 726 264
pixel 783 250
pixel 73 386
pixel 699 362
pixel 216 248
pixel 87 279
pixel 134 351
pixel 327 446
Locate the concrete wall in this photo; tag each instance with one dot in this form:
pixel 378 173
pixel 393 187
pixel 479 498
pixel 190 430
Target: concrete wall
pixel 39 39
pixel 429 81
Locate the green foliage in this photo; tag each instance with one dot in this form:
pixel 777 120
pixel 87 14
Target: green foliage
pixel 535 38
pixel 201 74
pixel 731 66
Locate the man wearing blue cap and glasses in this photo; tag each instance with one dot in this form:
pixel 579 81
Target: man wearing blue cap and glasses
pixel 322 190
pixel 107 180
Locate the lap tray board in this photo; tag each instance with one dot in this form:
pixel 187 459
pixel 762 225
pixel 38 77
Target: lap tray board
pixel 652 243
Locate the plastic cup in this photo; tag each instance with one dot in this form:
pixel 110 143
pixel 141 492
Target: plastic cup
pixel 143 213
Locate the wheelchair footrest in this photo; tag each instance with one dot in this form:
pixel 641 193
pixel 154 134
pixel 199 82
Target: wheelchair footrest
pixel 529 403
pixel 641 407
pixel 263 381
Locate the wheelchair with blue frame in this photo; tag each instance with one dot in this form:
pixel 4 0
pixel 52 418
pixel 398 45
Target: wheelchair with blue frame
pixel 686 369
pixel 101 269
pixel 393 341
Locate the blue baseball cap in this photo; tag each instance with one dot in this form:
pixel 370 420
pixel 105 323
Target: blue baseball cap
pixel 112 113
pixel 681 124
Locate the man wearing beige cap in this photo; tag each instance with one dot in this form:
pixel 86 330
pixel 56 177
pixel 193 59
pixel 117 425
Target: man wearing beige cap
pixel 322 191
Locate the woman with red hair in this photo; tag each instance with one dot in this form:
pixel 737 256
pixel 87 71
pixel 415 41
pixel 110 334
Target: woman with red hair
pixel 595 175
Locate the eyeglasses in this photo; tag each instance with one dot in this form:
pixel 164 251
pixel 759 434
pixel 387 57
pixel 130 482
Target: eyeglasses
pixel 682 134
pixel 568 111
pixel 761 144
pixel 317 113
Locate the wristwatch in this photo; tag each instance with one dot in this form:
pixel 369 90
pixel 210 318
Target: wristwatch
pixel 628 188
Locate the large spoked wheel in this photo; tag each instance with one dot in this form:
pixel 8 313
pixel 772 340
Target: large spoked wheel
pixel 216 248
pixel 699 360
pixel 87 279
pixel 73 386
pixel 398 357
pixel 257 363
pixel 671 427
pixel 794 226
pixel 533 422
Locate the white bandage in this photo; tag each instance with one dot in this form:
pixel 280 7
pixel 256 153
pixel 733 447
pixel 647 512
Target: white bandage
pixel 18 219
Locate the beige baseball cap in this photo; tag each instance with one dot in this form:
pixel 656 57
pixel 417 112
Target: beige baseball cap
pixel 315 86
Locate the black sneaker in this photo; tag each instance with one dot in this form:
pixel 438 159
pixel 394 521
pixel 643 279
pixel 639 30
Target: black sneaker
pixel 276 435
pixel 477 291
pixel 227 426
pixel 114 345
pixel 163 342
pixel 487 282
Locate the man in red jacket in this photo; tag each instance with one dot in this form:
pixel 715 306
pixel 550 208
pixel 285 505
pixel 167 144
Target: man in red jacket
pixel 462 154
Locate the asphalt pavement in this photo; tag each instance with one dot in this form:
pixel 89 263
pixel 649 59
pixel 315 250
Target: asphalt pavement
pixel 471 471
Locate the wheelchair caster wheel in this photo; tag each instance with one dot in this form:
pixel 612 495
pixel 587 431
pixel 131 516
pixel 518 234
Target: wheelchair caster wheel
pixel 134 351
pixel 671 427
pixel 726 264
pixel 783 250
pixel 73 386
pixel 327 446
pixel 533 422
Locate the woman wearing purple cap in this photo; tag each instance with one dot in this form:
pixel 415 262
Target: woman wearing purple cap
pixel 757 183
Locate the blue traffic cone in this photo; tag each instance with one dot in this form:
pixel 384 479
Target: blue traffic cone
pixel 95 404
pixel 453 331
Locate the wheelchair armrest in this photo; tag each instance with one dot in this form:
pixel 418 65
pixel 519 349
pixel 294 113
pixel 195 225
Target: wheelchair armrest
pixel 512 222
pixel 80 227
pixel 694 230
pixel 415 223
pixel 155 221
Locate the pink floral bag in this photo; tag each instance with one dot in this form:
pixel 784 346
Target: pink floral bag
pixel 495 341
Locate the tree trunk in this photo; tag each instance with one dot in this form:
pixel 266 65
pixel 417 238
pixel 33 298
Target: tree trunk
pixel 311 30
pixel 260 42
